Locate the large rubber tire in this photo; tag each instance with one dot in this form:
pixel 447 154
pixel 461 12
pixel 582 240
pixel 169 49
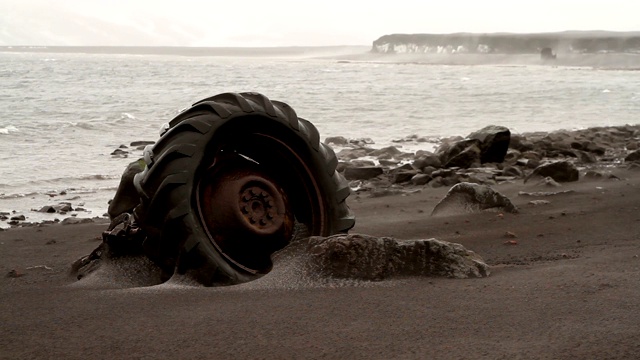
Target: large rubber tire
pixel 288 150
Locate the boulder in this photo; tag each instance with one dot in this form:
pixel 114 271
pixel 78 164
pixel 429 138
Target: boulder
pixel 405 167
pixel 403 176
pixel 336 140
pixel 362 173
pixel 585 157
pixel 633 156
pixel 428 170
pixel 364 257
pixel 448 151
pixel 469 157
pixel 427 160
pixel 594 148
pixel 520 143
pixel 47 209
pixel 18 218
pixel 494 143
pixel 420 179
pixel 560 171
pixel 470 197
pixel 389 151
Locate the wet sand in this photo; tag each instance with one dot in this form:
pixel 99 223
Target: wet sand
pixel 568 289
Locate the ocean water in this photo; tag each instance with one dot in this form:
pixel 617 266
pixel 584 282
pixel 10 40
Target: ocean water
pixel 62 114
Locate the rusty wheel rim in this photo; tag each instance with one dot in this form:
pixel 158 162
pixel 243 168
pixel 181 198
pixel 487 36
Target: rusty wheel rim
pixel 245 213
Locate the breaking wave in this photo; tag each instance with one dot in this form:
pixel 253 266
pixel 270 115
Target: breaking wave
pixel 8 129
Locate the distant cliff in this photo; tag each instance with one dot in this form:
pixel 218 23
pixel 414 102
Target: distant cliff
pixel 506 43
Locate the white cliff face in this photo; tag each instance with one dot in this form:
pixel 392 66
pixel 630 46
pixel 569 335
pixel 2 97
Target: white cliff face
pixel 411 48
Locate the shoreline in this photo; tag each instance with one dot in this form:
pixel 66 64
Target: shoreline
pixel 62 207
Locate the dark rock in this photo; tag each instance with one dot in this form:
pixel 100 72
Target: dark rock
pixel 63 207
pixel 362 173
pixel 436 182
pixel 405 167
pixel 141 143
pixel 594 148
pixel 362 163
pixel 386 162
pixel 336 140
pixel 633 156
pixel 512 156
pixel 442 172
pixel 494 142
pixel 123 146
pixel 547 54
pixel 468 197
pixel 501 179
pixel 450 180
pixel 420 179
pixel 403 176
pixel 389 150
pixel 585 157
pixel 365 257
pixel 448 151
pixel 74 221
pixel 428 170
pixel 119 152
pixel 520 143
pixel 560 171
pixel 512 171
pixel 361 141
pixel 427 160
pixel 350 154
pixel 469 157
pixel 47 209
pixel 18 218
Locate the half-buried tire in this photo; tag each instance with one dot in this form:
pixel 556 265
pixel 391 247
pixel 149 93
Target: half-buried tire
pixel 232 180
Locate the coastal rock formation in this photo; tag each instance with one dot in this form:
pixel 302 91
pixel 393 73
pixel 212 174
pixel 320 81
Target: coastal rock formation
pixel 469 197
pixel 505 43
pixel 365 257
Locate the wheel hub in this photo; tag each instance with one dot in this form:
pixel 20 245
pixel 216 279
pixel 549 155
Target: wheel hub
pixel 261 206
pixel 246 215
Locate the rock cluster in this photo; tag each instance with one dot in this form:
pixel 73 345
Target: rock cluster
pixel 489 156
pixel 123 151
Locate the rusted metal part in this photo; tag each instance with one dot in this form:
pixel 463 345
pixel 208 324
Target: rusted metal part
pixel 246 214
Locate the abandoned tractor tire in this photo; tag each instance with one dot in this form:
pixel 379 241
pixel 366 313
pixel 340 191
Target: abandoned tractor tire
pixel 232 180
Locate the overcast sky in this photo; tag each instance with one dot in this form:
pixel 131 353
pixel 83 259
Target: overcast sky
pixel 292 22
